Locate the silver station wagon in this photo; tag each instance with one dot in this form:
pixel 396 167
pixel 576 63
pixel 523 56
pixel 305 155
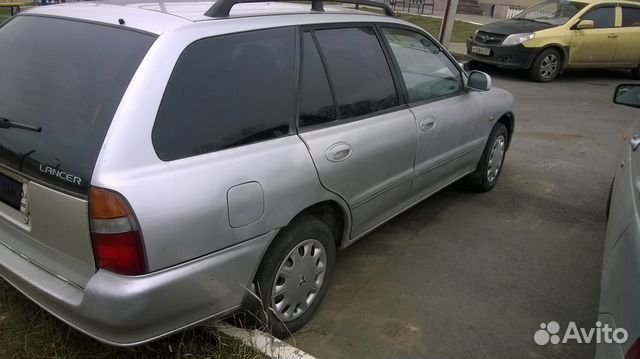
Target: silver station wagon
pixel 161 164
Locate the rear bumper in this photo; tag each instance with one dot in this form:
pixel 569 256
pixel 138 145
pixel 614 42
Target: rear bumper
pixel 619 288
pixel 515 56
pixel 608 350
pixel 124 311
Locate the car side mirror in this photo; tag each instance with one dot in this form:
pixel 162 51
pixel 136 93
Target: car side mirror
pixel 479 80
pixel 585 24
pixel 628 95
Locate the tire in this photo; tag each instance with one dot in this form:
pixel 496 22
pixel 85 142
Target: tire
pixel 635 73
pixel 473 65
pixel 477 65
pixel 293 251
pixel 546 66
pixel 486 175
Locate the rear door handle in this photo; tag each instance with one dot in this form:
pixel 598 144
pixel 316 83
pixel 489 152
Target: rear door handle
pixel 339 152
pixel 613 36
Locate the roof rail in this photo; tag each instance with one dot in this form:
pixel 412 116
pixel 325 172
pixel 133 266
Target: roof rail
pixel 221 8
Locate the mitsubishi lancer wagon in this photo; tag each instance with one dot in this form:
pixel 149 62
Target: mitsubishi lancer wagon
pixel 161 164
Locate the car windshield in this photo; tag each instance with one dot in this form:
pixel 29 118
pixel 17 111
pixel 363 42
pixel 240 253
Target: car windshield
pixel 553 12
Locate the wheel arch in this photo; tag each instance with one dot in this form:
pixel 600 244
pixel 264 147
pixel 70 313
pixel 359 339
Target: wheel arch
pixel 332 211
pixel 508 120
pixel 334 215
pixel 564 54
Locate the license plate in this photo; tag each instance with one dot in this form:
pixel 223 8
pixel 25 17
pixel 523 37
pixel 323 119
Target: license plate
pixel 10 191
pixel 481 50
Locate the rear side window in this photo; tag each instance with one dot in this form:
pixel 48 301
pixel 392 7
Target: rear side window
pixel 68 78
pixel 228 91
pixel 358 69
pixel 630 16
pixel 316 103
pixel 603 17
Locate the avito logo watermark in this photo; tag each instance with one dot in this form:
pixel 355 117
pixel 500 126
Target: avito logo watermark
pixel 550 333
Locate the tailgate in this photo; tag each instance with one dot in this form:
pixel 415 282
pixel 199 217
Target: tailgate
pixel 61 84
pixel 52 230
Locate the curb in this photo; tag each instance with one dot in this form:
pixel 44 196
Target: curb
pixel 263 342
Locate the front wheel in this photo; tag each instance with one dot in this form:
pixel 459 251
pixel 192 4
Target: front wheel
pixel 635 73
pixel 490 166
pixel 294 275
pixel 545 66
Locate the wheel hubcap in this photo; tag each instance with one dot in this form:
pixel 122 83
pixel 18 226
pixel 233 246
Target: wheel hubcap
pixel 549 66
pixel 495 159
pixel 299 280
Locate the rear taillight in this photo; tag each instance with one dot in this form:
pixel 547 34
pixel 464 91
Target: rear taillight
pixel 634 351
pixel 117 241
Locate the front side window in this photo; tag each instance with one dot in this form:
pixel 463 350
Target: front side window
pixel 228 91
pixel 630 16
pixel 602 17
pixel 358 69
pixel 427 71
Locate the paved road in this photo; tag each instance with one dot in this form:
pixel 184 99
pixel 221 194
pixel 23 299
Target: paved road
pixel 473 275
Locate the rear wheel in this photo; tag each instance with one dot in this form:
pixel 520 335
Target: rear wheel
pixel 545 66
pixel 294 275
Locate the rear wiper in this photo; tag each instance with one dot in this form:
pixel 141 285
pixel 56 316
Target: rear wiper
pixel 7 123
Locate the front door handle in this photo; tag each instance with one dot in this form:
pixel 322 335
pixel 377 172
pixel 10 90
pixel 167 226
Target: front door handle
pixel 613 36
pixel 339 152
pixel 427 124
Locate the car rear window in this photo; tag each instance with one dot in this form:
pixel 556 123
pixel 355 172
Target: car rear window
pixel 67 78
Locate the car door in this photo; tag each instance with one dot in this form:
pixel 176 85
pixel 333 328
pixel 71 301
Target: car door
pixel 628 47
pixel 451 122
pixel 596 46
pixel 362 140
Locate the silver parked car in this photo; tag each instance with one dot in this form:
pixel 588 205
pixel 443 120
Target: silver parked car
pixel 620 292
pixel 162 162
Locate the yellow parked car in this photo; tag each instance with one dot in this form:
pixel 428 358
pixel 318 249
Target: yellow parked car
pixel 555 35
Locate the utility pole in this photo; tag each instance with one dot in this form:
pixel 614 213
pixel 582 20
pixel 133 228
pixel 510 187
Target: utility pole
pixel 446 29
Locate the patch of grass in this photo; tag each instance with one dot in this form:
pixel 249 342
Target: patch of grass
pixel 4 14
pixel 462 30
pixel 459 57
pixel 26 331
